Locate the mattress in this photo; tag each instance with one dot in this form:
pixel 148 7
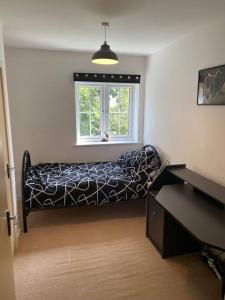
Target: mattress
pixel 64 184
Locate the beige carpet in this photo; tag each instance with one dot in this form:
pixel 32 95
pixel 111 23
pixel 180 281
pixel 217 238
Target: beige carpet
pixel 102 254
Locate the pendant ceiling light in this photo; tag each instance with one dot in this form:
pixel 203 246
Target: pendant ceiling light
pixel 105 56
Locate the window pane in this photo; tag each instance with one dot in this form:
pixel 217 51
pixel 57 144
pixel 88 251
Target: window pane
pixel 119 110
pixel 84 124
pixel 114 124
pixel 96 124
pixel 90 98
pixel 90 110
pixel 118 124
pixel 84 98
pixel 119 99
pixel 95 99
pixel 124 124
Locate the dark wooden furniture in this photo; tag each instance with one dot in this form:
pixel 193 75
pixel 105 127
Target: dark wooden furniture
pixel 184 212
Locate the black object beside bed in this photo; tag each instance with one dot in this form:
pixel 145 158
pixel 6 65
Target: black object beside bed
pixel 60 185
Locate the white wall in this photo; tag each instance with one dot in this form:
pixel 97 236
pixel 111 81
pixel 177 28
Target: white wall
pixel 185 132
pixel 41 91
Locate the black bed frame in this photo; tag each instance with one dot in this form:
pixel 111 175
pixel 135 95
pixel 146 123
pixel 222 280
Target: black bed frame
pixel 26 164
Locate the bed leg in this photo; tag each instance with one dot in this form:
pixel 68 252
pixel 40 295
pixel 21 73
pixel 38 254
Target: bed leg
pixel 25 222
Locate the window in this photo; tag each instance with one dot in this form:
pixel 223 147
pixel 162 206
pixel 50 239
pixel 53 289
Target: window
pixel 104 107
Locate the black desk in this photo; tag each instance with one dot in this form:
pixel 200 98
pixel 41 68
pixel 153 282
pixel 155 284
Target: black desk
pixel 184 212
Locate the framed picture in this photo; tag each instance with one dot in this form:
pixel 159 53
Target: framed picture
pixel 211 86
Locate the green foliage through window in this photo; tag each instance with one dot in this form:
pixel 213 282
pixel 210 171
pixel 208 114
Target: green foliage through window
pixel 104 108
pixel 119 106
pixel 90 111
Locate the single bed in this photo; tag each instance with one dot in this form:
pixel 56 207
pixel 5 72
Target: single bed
pixel 57 185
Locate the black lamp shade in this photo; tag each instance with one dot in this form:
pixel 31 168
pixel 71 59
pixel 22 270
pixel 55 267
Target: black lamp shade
pixel 105 56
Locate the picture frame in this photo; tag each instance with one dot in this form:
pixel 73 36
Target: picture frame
pixel 211 86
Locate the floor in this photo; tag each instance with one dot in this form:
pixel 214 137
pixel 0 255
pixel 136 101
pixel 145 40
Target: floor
pixel 101 253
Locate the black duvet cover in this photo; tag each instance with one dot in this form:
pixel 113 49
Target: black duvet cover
pixel 72 184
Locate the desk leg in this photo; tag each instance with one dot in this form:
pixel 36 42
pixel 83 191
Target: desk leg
pixel 223 287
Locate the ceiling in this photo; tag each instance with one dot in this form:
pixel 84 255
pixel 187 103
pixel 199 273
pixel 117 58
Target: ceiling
pixel 136 26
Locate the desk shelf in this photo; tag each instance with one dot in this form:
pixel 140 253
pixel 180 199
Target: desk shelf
pixel 209 187
pixel 197 214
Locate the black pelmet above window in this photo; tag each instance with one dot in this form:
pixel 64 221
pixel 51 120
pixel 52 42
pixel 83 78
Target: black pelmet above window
pixel 102 77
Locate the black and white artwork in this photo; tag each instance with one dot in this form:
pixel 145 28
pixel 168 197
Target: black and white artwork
pixel 77 184
pixel 211 86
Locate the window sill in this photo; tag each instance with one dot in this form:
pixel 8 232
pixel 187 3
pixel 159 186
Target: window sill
pixel 106 143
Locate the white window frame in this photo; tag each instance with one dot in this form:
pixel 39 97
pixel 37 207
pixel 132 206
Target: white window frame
pixel 133 114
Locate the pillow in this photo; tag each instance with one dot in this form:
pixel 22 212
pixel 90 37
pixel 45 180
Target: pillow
pixel 138 160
